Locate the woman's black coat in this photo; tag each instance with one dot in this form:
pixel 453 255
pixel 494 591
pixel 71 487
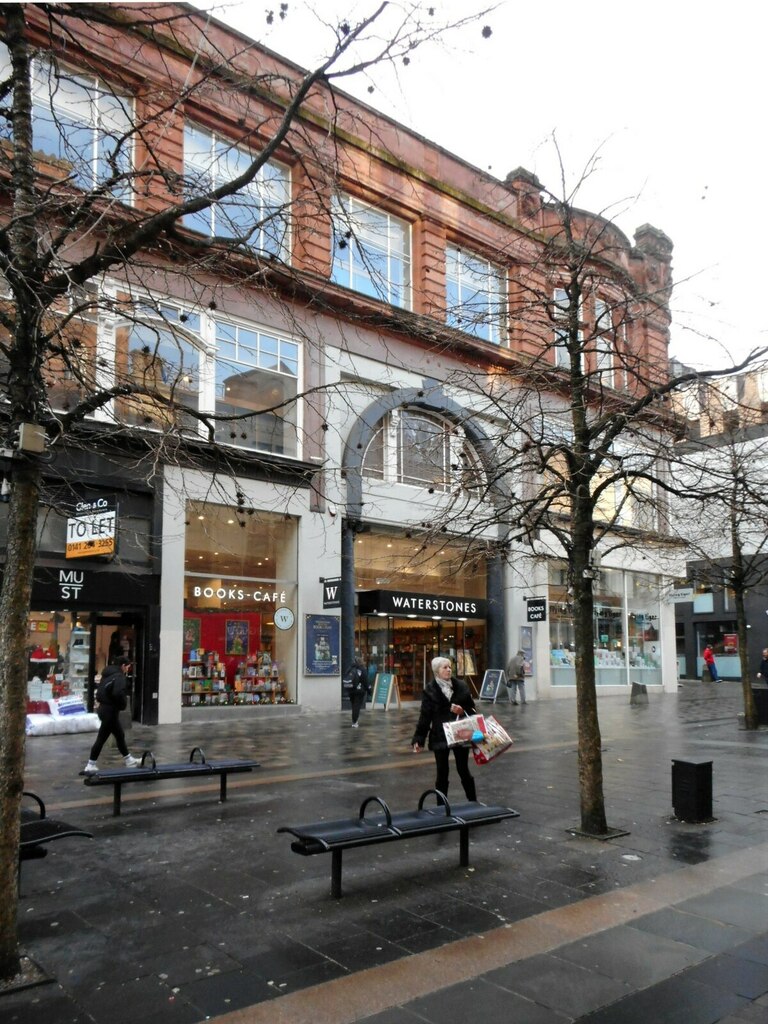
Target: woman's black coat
pixel 436 709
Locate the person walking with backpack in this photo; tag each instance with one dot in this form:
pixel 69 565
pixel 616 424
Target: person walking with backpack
pixel 112 697
pixel 357 684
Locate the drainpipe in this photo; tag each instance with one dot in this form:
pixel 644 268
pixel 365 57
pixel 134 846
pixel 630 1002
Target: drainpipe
pixel 497 632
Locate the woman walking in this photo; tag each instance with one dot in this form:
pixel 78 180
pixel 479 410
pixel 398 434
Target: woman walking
pixel 444 698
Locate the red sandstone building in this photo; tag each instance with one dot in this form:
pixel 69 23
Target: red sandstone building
pixel 380 290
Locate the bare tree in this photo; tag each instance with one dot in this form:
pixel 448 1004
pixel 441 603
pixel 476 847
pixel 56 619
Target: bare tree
pixel 720 505
pixel 582 427
pixel 95 221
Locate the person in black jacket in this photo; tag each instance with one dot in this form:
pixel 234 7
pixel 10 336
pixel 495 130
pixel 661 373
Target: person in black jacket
pixel 358 688
pixel 112 697
pixel 444 698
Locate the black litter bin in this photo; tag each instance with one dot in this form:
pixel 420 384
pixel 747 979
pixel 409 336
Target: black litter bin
pixel 692 790
pixel 760 695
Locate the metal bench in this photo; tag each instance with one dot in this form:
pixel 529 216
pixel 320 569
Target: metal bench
pixel 346 833
pixel 150 771
pixel 37 830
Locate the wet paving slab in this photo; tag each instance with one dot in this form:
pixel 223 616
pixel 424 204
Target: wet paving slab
pixel 184 908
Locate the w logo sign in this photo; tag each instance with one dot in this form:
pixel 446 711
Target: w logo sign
pixel 332 593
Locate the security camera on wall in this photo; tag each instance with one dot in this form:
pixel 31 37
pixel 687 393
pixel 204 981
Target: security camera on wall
pixel 332 511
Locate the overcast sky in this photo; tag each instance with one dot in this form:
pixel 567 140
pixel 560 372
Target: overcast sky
pixel 670 92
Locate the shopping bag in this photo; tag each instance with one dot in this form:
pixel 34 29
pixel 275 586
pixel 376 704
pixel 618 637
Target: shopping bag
pixel 464 731
pixel 496 741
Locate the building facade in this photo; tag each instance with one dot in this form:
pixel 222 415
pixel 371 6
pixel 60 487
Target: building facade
pixel 724 463
pixel 319 399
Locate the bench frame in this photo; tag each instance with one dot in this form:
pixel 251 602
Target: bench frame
pixel 336 836
pixel 150 771
pixel 37 829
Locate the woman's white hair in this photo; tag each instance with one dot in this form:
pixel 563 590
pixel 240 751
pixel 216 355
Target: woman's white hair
pixel 437 664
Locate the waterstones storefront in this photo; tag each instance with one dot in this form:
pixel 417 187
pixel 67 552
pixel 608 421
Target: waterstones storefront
pixel 401 632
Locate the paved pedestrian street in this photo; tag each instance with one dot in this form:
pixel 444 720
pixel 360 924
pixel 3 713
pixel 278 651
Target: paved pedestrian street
pixel 184 909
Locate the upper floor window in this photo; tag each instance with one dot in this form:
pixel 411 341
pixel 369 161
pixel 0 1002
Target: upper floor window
pixel 605 343
pixel 191 363
pixel 371 251
pixel 79 119
pixel 257 215
pixel 257 372
pixel 423 451
pixel 474 295
pixel 561 305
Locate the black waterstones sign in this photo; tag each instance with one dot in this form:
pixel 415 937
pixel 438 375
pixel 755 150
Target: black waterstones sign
pixel 400 603
pixel 537 609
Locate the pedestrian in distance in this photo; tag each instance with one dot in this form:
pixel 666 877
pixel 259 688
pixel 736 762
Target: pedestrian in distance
pixel 444 697
pixel 711 664
pixel 762 672
pixel 356 683
pixel 516 677
pixel 112 697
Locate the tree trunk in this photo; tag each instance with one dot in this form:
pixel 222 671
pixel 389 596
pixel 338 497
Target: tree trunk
pixel 738 579
pixel 592 802
pixel 15 597
pixel 750 708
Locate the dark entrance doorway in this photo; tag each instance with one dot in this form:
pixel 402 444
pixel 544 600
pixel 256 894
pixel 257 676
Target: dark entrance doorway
pixel 118 635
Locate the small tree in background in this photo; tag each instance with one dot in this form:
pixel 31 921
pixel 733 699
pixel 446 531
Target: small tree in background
pixel 720 507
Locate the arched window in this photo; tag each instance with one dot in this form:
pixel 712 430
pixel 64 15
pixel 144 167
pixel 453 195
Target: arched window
pixel 422 450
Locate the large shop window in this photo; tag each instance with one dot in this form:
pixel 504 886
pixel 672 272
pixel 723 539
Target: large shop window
pixel 371 251
pixel 70 370
pixel 626 628
pixel 257 215
pixel 475 300
pixel 190 361
pixel 240 568
pixel 423 451
pixel 80 120
pixel 405 643
pixel 256 373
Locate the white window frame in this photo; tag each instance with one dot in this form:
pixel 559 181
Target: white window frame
pixel 101 120
pixel 287 349
pixel 477 277
pixel 458 444
pixel 213 166
pixel 605 344
pixel 356 247
pixel 560 314
pixel 204 341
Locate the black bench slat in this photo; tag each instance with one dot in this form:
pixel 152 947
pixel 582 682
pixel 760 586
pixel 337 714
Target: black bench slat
pixel 43 830
pixel 479 814
pixel 346 833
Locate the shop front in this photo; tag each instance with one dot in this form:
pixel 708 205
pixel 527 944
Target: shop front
pixel 627 618
pixel 240 592
pixel 400 633
pixel 82 619
pixel 95 592
pixel 417 600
